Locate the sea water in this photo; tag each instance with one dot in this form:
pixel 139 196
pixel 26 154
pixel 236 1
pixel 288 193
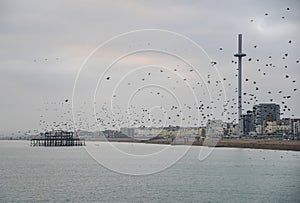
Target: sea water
pixel 62 174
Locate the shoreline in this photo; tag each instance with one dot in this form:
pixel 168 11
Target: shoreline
pixel 289 145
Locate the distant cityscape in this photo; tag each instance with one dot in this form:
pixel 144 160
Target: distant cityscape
pixel 262 121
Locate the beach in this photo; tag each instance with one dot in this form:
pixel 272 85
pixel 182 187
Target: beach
pixel 293 145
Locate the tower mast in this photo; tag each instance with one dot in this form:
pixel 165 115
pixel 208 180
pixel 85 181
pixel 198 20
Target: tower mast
pixel 240 55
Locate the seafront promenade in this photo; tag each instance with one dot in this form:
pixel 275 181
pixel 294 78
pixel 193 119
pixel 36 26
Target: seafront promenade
pixel 293 145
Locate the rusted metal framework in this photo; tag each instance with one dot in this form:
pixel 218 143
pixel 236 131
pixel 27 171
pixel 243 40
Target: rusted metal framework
pixel 57 138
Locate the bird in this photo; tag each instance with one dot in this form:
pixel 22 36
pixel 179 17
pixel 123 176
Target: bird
pixel 213 63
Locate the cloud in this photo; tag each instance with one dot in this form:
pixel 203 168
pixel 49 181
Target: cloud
pixel 34 31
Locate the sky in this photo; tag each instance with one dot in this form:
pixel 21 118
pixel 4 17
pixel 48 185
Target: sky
pixel 54 57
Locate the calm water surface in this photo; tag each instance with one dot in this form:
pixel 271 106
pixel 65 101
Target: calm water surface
pixel 33 174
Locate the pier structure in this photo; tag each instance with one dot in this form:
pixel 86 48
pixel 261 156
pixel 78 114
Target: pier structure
pixel 57 138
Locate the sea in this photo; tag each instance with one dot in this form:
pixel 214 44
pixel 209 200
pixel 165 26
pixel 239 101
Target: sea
pixel 72 174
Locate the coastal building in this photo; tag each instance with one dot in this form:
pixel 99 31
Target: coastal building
pixel 201 131
pixel 295 126
pixel 189 131
pixel 147 132
pixel 290 126
pixel 114 134
pixel 232 129
pixel 215 128
pixel 128 131
pixel 273 128
pixel 248 123
pixel 259 129
pixel 263 113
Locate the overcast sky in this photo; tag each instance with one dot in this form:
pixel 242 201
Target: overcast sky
pixel 45 43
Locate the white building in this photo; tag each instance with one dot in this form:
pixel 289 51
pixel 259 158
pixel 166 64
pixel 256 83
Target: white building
pixel 215 128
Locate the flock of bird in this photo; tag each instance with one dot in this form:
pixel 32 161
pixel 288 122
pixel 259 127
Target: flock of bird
pixel 60 115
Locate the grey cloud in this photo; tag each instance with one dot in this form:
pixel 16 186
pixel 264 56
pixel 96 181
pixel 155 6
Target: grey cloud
pixel 38 30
